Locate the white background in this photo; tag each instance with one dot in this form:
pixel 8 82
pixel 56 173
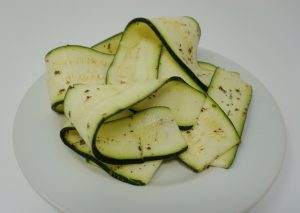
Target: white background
pixel 262 36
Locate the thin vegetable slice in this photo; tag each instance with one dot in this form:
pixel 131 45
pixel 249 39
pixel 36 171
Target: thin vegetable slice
pixel 135 174
pixel 109 45
pixel 137 58
pixel 151 34
pixel 88 106
pixel 73 64
pixel 183 100
pixel 234 96
pixel 148 135
pixel 167 65
pixel 213 135
pixel 168 68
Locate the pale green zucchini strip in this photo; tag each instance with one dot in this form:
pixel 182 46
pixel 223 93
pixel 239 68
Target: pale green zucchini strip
pixel 233 95
pixel 109 45
pixel 71 64
pixel 183 100
pixel 135 174
pixel 213 135
pixel 88 106
pixel 150 34
pixel 147 135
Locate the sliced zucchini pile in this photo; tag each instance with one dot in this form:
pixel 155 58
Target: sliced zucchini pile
pixel 141 96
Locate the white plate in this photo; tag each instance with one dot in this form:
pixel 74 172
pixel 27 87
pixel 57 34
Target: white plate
pixel 66 181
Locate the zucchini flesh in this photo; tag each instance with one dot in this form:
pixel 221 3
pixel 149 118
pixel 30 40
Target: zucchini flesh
pixel 208 71
pixel 183 100
pixel 168 68
pixel 137 57
pixel 167 65
pixel 87 106
pixel 109 45
pixel 183 44
pixel 73 64
pixel 148 135
pixel 213 135
pixel 226 159
pixel 119 115
pixel 135 174
pixel 234 96
pixel 207 66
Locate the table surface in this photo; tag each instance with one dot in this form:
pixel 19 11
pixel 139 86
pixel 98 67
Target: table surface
pixel 262 36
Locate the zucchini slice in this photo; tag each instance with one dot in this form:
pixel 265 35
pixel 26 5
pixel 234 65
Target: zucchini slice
pixel 119 115
pixel 168 68
pixel 88 106
pixel 148 135
pixel 135 174
pixel 151 34
pixel 213 135
pixel 233 95
pixel 109 45
pixel 207 66
pixel 167 65
pixel 71 64
pixel 182 45
pixel 183 100
pixel 226 159
pixel 208 71
pixel 137 58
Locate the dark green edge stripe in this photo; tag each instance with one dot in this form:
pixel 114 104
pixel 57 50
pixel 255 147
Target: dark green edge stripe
pixel 88 157
pixel 189 166
pixel 55 105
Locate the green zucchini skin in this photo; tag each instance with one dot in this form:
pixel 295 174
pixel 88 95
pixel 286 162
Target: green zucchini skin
pixel 58 107
pixel 167 46
pixel 88 157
